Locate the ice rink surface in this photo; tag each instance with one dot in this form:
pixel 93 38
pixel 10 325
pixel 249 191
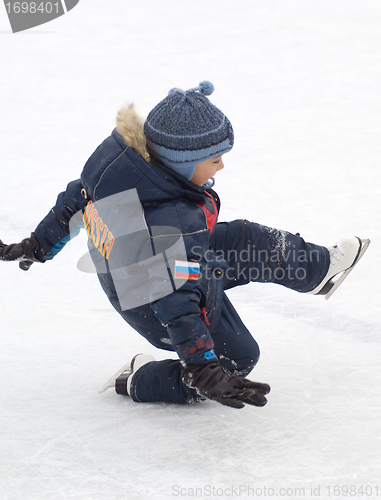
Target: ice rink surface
pixel 300 82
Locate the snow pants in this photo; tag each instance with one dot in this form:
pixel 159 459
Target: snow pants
pixel 255 253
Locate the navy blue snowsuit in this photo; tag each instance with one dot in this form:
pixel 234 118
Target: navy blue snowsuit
pixel 197 316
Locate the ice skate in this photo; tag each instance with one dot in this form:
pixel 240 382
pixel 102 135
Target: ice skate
pixel 344 256
pixel 121 380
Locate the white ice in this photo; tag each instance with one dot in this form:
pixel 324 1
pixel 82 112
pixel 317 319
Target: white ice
pixel 301 83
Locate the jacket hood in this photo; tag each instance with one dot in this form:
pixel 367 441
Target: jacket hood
pixel 130 127
pixel 123 162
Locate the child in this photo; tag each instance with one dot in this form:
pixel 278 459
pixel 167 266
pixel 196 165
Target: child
pixel 146 200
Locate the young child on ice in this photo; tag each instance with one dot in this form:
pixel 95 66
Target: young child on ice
pixel 164 262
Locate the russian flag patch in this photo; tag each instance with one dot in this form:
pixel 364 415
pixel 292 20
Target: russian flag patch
pixel 187 270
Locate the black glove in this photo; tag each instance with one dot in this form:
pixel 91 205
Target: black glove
pixel 25 252
pixel 213 382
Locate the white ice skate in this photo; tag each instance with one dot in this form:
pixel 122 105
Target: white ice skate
pixel 344 256
pixel 122 378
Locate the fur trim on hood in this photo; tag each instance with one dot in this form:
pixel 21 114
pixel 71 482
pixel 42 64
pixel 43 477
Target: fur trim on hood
pixel 131 127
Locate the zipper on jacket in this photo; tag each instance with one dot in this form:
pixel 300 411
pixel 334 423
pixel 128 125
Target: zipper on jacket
pixel 203 312
pixel 211 218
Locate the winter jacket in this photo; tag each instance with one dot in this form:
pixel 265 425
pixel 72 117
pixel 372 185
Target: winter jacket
pixel 175 220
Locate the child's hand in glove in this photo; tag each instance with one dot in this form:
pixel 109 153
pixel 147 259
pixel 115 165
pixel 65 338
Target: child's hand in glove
pixel 213 382
pixel 25 252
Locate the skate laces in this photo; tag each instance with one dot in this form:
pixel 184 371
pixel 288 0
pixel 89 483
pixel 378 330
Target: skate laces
pixel 336 254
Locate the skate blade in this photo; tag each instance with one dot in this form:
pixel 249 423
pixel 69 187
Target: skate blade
pixel 111 381
pixel 335 284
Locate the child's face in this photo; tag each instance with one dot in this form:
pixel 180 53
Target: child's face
pixel 207 169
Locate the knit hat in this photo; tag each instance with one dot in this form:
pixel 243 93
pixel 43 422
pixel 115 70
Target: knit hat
pixel 185 129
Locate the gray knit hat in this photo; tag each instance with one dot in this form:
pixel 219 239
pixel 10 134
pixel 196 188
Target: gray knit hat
pixel 185 129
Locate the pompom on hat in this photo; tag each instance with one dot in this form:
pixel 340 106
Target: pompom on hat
pixel 185 129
